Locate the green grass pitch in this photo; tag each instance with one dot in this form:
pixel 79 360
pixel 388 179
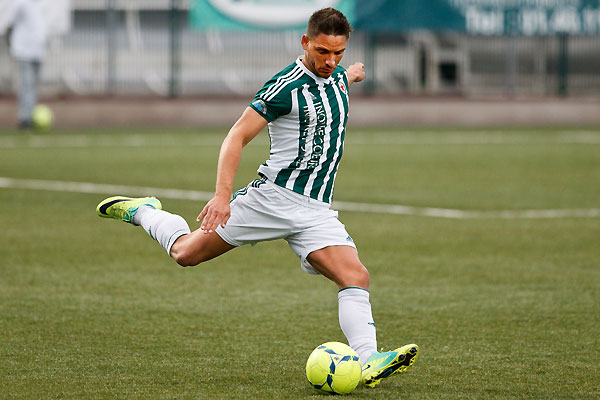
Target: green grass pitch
pixel 503 308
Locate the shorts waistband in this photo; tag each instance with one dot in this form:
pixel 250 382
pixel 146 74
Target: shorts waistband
pixel 298 198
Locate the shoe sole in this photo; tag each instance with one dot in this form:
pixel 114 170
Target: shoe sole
pixel 401 363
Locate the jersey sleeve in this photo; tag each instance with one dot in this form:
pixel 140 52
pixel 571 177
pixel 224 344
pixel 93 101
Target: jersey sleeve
pixel 345 78
pixel 272 101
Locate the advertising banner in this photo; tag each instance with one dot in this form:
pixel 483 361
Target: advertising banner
pixel 485 17
pixel 482 17
pixel 260 14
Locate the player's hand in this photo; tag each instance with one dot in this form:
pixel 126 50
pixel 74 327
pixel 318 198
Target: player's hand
pixel 356 72
pixel 216 212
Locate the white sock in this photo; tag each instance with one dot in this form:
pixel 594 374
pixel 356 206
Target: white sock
pixel 356 321
pixel 162 226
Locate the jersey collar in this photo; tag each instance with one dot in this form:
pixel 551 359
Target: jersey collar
pixel 317 79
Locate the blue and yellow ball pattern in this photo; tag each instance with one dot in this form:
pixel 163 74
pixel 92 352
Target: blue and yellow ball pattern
pixel 333 368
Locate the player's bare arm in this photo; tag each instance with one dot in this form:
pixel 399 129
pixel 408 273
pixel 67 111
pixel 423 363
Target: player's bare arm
pixel 356 72
pixel 217 211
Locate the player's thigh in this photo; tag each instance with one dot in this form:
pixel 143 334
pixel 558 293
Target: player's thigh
pixel 340 264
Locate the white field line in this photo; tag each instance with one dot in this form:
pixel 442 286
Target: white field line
pixel 180 194
pixel 375 138
pixel 480 138
pixel 100 188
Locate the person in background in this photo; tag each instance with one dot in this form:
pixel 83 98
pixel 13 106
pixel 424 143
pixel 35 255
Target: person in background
pixel 27 39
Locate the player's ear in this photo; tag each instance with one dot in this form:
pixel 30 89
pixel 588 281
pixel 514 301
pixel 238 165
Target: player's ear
pixel 304 42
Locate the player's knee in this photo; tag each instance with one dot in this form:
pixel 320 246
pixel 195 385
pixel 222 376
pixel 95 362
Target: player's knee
pixel 184 256
pixel 182 259
pixel 358 276
pixel 362 277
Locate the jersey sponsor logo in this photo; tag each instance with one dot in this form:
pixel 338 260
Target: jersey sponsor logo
pixel 260 106
pixel 320 119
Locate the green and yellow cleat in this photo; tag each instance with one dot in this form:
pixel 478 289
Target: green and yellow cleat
pixel 124 208
pixel 383 365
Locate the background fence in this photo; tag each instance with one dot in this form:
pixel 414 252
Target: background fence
pixel 153 48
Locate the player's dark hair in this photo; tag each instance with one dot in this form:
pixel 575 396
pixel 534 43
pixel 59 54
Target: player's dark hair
pixel 328 21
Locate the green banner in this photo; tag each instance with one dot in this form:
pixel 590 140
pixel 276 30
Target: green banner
pixel 261 14
pixel 483 17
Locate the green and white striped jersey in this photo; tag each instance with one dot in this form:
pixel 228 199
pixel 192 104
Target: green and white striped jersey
pixel 307 118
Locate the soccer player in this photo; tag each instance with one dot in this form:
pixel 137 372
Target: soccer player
pixel 306 109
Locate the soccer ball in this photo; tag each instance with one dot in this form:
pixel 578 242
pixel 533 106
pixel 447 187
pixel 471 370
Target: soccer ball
pixel 42 117
pixel 333 367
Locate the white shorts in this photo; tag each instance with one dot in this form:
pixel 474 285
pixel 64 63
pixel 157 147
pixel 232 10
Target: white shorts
pixel 265 211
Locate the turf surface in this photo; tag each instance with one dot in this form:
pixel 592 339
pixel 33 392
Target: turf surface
pixel 502 308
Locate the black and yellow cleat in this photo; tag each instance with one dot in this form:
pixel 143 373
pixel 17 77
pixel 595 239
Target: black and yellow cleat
pixel 124 208
pixel 384 365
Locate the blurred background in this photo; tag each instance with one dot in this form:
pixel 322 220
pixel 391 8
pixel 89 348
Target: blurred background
pixel 512 53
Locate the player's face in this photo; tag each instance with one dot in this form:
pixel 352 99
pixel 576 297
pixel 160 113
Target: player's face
pixel 323 53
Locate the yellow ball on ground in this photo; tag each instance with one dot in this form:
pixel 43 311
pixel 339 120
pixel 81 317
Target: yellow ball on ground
pixel 42 118
pixel 333 368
